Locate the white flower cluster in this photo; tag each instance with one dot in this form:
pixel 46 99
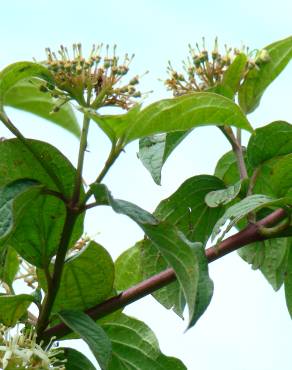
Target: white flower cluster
pixel 20 351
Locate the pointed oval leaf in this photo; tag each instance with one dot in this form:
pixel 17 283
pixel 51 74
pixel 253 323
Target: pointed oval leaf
pixel 135 346
pixel 172 244
pixel 258 79
pixel 154 151
pixel 19 71
pixel 87 279
pixel 187 211
pixel 57 173
pixel 27 96
pixel 187 112
pixel 91 333
pixel 13 307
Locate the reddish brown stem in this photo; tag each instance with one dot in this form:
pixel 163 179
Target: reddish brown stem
pixel 248 235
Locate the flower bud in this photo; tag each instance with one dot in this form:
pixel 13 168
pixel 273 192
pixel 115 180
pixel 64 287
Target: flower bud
pixel 134 81
pixel 263 57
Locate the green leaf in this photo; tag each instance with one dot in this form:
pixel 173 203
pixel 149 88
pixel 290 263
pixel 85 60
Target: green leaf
pixel 186 112
pixel 128 268
pixel 170 296
pixel 270 256
pixel 270 141
pixel 8 195
pixel 154 151
pixel 40 217
pixel 75 360
pixel 151 153
pixel 19 71
pixel 91 333
pixel 87 279
pixel 114 126
pixel 137 214
pixel 172 244
pixel 9 264
pixel 17 162
pixel 178 252
pixel 241 209
pixel 288 281
pixel 226 168
pixel 275 176
pixel 27 96
pixel 234 73
pixel 224 196
pixel 258 79
pixel 205 285
pixel 13 307
pixel 39 221
pixel 134 346
pixel 187 211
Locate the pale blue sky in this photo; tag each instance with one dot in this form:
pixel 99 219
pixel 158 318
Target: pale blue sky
pixel 247 326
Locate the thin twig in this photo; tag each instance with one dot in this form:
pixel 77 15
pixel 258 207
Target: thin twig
pixel 237 149
pixel 81 155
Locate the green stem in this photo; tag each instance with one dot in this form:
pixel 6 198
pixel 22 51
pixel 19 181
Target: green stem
pixel 113 155
pixel 251 217
pixel 81 155
pixel 55 280
pixel 238 135
pixel 26 143
pixel 237 149
pixel 271 232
